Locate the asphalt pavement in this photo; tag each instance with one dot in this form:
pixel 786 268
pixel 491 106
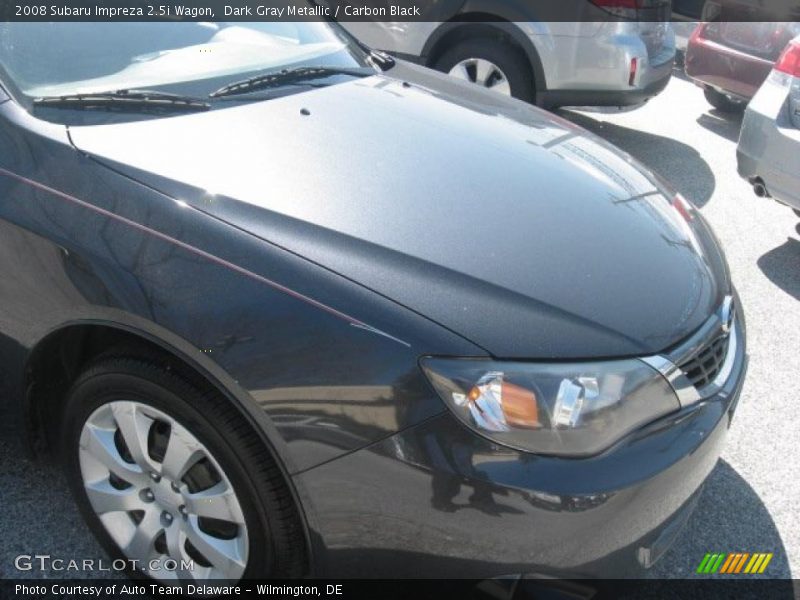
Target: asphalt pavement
pixel 750 501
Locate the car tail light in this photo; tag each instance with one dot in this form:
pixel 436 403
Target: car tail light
pixel 789 61
pixel 632 71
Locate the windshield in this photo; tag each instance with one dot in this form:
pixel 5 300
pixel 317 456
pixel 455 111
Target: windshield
pixel 57 59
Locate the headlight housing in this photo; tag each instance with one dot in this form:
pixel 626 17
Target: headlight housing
pixel 562 409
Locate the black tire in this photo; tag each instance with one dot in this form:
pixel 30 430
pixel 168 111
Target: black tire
pixel 507 57
pixel 722 102
pixel 275 535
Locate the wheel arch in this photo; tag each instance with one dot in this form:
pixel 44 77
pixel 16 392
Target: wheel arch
pixel 487 25
pixel 58 358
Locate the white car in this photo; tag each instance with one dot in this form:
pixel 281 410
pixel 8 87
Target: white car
pixel 768 154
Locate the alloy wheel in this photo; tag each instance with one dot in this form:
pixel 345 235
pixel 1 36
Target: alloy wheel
pixel 161 495
pixel 482 72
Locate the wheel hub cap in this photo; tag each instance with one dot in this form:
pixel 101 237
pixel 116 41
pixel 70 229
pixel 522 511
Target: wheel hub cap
pixel 484 73
pixel 161 495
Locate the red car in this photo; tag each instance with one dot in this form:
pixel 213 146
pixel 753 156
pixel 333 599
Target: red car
pixel 730 61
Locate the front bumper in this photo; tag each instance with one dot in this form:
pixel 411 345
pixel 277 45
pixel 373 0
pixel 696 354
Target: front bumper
pixel 437 500
pixel 769 145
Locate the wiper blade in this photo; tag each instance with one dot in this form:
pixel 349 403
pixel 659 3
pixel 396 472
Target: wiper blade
pixel 381 59
pixel 125 100
pixel 287 77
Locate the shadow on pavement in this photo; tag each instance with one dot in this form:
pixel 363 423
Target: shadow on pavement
pixel 730 517
pixel 678 163
pixel 679 73
pixel 726 125
pixel 781 265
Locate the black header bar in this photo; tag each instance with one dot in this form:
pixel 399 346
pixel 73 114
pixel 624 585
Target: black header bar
pixel 398 10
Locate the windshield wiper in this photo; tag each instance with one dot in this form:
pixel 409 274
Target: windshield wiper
pixel 287 77
pixel 125 100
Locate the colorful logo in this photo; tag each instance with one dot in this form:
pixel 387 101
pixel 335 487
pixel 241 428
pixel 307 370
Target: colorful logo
pixel 735 562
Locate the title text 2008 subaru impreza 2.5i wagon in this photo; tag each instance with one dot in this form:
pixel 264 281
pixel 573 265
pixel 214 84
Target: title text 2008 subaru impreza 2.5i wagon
pixel 285 307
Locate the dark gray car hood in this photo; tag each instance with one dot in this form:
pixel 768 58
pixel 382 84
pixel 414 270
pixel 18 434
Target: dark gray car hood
pixel 512 227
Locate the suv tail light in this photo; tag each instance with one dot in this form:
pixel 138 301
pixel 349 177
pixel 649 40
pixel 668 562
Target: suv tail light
pixel 632 71
pixel 789 61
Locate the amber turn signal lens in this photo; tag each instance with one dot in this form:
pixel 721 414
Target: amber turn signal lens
pixel 519 406
pixel 517 403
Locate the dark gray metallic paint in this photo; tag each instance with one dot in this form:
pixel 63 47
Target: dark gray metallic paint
pixel 481 213
pixel 311 281
pixel 531 514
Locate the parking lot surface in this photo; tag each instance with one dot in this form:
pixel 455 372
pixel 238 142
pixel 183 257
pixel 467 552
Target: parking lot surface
pixel 750 501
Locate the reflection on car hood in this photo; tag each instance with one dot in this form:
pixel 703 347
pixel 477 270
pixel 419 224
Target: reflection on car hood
pixel 510 226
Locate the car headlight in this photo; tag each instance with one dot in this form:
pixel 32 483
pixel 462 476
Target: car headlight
pixel 564 409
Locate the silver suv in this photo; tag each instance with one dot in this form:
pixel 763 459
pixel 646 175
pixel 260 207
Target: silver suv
pixel 551 64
